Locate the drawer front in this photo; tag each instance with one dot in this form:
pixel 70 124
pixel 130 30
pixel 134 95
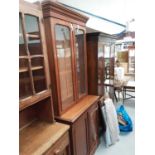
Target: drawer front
pixel 61 147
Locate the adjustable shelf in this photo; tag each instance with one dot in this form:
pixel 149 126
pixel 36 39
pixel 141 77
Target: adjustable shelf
pixel 33 35
pixel 37 68
pixel 23 69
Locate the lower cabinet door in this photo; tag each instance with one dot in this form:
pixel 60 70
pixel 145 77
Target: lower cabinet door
pixel 61 147
pixel 93 127
pixel 80 136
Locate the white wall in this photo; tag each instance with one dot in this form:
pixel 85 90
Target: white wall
pixel 120 11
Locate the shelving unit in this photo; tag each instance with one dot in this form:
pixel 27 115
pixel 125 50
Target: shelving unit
pixel 33 67
pixel 66 41
pixel 67 55
pixel 30 62
pixel 39 133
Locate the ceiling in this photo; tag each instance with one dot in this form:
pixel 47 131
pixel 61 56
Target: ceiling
pixel 120 11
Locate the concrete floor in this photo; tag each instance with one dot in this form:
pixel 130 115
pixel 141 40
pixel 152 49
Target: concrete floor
pixel 126 144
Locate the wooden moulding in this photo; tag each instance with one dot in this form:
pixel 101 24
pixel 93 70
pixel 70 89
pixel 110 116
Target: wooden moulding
pixel 76 111
pixel 57 10
pixel 39 137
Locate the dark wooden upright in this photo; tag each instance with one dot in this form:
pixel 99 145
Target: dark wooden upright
pixel 39 133
pixel 66 44
pixel 97 45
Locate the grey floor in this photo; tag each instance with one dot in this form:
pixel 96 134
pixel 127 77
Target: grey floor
pixel 126 144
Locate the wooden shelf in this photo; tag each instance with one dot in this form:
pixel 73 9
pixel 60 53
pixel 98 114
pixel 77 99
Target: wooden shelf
pixel 73 113
pixel 27 80
pixel 36 68
pixel 26 102
pixel 23 69
pixel 23 57
pixel 32 56
pixel 38 137
pixel 37 56
pixel 33 36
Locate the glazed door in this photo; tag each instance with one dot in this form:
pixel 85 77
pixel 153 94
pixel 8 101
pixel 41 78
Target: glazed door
pixel 81 63
pixel 64 63
pixel 33 66
pixel 112 60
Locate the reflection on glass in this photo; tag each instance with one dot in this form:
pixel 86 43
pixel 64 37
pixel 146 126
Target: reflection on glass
pixel 65 64
pixel 80 56
pixel 100 63
pixel 25 89
pixel 32 30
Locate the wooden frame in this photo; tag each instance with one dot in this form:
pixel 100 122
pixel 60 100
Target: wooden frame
pixel 35 10
pixel 54 23
pixel 39 104
pixel 54 13
pixel 39 133
pixel 85 59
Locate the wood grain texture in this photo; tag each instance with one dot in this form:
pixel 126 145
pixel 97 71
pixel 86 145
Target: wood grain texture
pixel 76 111
pixel 57 10
pixel 40 136
pixel 57 14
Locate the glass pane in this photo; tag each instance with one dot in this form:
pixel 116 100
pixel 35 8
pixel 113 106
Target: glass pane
pixel 31 24
pixel 25 89
pixel 107 61
pixel 39 79
pixel 80 59
pixel 22 50
pixel 32 30
pixel 65 64
pixel 100 63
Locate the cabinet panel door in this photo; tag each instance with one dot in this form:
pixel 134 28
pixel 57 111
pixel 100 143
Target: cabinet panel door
pixel 33 66
pixel 80 146
pixel 93 126
pixel 64 62
pixel 80 61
